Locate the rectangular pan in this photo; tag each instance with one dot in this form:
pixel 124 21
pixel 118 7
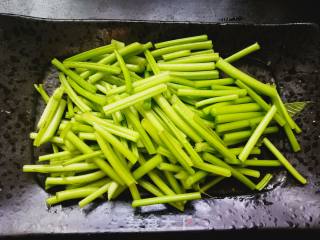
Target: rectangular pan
pixel 289 57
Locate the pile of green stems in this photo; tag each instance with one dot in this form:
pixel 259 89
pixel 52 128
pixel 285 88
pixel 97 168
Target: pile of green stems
pixel 161 121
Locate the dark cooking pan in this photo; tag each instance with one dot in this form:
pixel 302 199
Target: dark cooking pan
pixel 289 57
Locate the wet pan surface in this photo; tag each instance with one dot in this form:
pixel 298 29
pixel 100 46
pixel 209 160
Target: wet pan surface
pixel 289 57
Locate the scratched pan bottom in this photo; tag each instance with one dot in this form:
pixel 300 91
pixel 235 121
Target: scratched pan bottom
pixel 289 57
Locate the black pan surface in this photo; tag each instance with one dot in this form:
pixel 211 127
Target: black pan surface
pixel 289 57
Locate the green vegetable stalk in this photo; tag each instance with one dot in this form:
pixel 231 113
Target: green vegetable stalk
pixel 130 117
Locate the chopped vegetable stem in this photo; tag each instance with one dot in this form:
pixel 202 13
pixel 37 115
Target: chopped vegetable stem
pixel 257 133
pixel 284 161
pixel 175 55
pixel 186 46
pixel 252 82
pixel 166 199
pixel 147 167
pixel 236 56
pixel 181 41
pixel 42 92
pixel 94 195
pixel 125 71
